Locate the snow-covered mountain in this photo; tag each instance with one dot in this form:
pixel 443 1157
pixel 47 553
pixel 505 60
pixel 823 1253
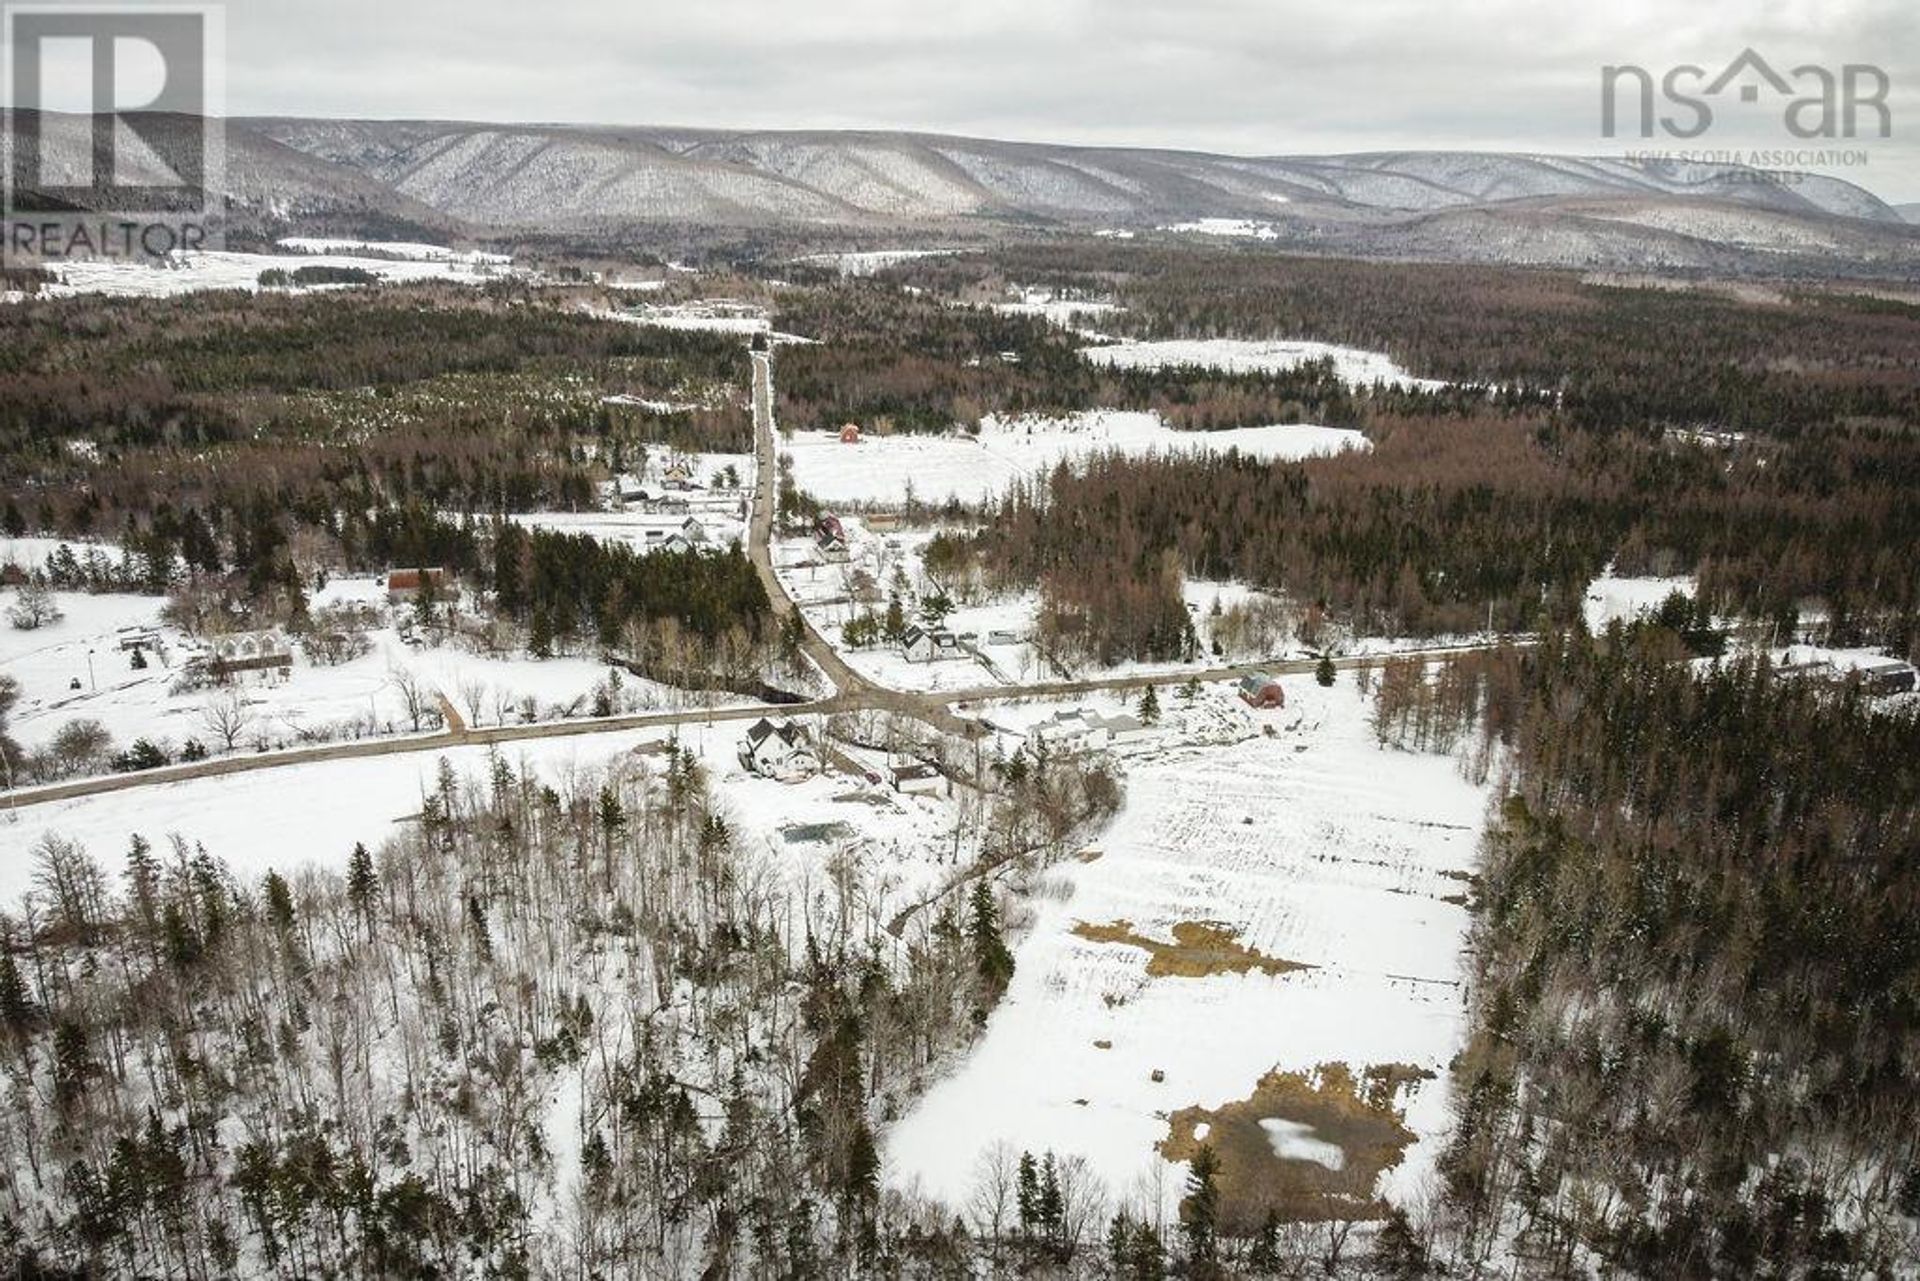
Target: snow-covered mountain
pixel 509 174
pixel 513 180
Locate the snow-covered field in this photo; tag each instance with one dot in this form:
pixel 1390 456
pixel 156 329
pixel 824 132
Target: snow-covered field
pixel 881 469
pixel 1314 846
pixel 1233 228
pixel 358 698
pixel 1064 312
pixel 1238 355
pixel 391 249
pixel 867 262
pixel 224 270
pixel 1609 598
pixel 717 316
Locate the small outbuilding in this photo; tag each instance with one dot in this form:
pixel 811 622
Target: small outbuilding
pixel 1259 690
pixel 850 434
pixel 917 779
pixel 1888 676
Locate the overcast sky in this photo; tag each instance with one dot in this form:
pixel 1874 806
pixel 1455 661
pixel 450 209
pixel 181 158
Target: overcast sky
pixel 1247 76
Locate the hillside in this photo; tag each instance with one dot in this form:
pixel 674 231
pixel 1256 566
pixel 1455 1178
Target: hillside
pixel 620 184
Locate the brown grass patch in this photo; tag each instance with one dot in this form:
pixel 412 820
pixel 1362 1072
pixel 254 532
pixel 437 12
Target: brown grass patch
pixel 1359 1116
pixel 1199 948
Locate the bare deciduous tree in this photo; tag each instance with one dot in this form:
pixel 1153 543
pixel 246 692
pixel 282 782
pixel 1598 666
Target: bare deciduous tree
pixel 414 696
pixel 227 716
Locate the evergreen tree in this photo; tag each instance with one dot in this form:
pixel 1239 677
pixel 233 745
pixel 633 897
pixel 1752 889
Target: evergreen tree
pixel 1264 1258
pixel 279 902
pixel 16 1002
pixel 993 962
pixel 1149 706
pixel 1323 672
pixel 362 883
pixel 1397 1249
pixel 1027 1194
pixel 1200 1209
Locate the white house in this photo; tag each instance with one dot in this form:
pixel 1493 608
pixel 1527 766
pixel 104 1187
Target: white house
pixel 1085 730
pixel 664 540
pixel 927 645
pixel 1065 733
pixel 778 750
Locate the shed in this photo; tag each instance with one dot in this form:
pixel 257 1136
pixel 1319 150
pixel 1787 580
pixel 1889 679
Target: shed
pixel 917 779
pixel 1260 690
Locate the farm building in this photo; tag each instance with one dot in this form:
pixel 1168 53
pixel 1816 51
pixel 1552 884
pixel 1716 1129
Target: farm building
pixel 1124 730
pixel 1258 690
pixel 266 651
pixel 1887 676
pixel 928 645
pixel 829 526
pixel 130 638
pixel 678 474
pixel 850 434
pixel 404 585
pixel 778 750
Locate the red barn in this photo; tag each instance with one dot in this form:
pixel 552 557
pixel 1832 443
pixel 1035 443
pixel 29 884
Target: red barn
pixel 850 434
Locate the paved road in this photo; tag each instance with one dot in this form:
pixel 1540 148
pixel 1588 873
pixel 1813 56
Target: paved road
pixel 854 689
pixel 854 692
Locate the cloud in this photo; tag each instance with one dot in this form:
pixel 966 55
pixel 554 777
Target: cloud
pixel 1258 76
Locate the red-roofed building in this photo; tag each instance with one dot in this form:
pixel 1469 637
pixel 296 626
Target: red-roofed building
pixel 403 585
